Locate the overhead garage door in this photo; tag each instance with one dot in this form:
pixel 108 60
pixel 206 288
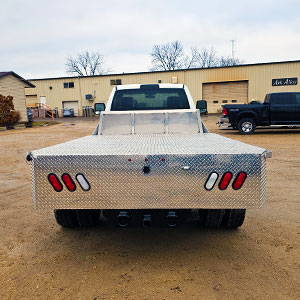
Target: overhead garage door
pixel 71 104
pixel 218 93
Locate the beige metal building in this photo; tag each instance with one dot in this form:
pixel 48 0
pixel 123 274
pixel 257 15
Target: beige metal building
pixel 11 84
pixel 236 84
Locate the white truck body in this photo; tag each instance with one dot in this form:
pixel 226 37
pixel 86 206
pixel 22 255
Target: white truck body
pixel 149 159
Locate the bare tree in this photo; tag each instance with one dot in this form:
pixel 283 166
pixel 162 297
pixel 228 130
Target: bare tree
pixel 190 61
pixel 170 56
pixel 206 58
pixel 85 64
pixel 229 61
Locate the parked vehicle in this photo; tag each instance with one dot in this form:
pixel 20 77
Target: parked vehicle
pixel 68 112
pixel 150 160
pixel 29 117
pixel 277 109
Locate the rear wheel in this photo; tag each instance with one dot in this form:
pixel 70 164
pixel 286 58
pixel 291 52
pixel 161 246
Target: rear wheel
pixel 211 218
pixel 246 126
pixel 234 218
pixel 87 217
pixel 66 217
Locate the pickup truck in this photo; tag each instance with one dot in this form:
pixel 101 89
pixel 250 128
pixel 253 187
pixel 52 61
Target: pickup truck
pixel 277 109
pixel 150 160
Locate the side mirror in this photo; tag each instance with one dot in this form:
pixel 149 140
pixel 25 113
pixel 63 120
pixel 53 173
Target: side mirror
pixel 98 107
pixel 202 106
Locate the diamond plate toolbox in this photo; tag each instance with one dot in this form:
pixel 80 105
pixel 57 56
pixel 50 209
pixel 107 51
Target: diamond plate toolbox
pixel 149 171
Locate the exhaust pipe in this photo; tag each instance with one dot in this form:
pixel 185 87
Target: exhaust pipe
pixel 172 219
pixel 123 219
pixel 147 221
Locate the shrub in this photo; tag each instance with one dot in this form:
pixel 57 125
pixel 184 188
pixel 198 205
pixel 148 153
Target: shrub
pixel 8 116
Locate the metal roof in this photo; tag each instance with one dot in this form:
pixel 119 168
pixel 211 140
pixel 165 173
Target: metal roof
pixel 164 71
pixel 3 74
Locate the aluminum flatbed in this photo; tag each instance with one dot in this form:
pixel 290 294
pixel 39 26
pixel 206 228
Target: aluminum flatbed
pixel 179 166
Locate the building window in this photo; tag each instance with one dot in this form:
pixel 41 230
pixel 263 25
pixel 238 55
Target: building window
pixel 234 101
pixel 115 82
pixel 215 101
pixel 224 101
pixel 68 85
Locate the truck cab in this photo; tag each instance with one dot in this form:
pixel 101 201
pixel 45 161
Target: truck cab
pixel 284 108
pixel 150 97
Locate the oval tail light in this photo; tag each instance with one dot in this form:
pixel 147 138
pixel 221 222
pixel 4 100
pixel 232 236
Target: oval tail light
pixel 68 181
pixel 55 182
pixel 211 181
pixel 225 180
pixel 239 180
pixel 84 184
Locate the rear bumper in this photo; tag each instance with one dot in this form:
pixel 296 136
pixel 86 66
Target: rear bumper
pixel 223 122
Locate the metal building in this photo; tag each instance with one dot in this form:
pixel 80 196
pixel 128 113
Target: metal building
pixel 235 84
pixel 11 84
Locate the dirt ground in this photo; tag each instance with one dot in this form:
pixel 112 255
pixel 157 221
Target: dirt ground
pixel 40 260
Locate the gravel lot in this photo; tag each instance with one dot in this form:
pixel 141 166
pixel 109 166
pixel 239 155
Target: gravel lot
pixel 40 260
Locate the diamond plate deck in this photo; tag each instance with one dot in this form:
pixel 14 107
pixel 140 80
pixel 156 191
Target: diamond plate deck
pixel 113 165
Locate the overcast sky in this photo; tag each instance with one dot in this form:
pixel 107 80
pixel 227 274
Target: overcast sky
pixel 38 36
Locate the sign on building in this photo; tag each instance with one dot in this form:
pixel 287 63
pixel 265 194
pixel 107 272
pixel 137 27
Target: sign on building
pixel 284 81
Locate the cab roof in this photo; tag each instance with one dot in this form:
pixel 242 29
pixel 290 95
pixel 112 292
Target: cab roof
pixel 158 85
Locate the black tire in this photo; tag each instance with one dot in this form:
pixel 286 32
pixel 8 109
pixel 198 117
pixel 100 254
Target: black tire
pixel 66 217
pixel 88 217
pixel 246 126
pixel 211 218
pixel 234 218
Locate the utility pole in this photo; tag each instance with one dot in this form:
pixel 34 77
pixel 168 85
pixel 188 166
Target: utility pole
pixel 232 47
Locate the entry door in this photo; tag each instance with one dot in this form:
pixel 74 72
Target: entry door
pixel 283 108
pixel 43 100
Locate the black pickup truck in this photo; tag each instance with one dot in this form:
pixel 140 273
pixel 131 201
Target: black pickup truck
pixel 277 109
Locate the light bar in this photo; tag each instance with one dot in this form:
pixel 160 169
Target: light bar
pixel 225 180
pixel 84 184
pixel 211 181
pixel 56 184
pixel 68 181
pixel 239 180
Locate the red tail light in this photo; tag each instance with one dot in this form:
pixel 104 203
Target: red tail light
pixel 225 112
pixel 239 180
pixel 68 181
pixel 56 184
pixel 225 180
